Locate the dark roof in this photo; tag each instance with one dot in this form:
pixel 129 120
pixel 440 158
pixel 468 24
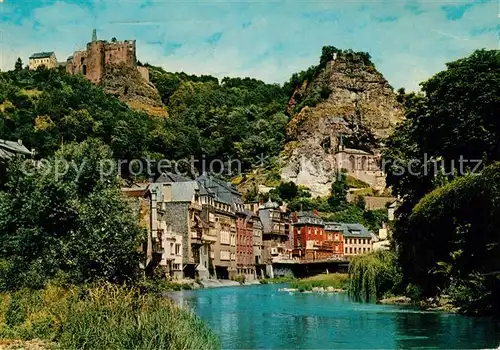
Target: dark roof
pixel 309 214
pixel 170 177
pixel 223 191
pixel 9 148
pixel 360 230
pixel 42 54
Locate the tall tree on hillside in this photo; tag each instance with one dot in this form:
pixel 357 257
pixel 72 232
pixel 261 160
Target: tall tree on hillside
pixel 19 65
pixel 338 197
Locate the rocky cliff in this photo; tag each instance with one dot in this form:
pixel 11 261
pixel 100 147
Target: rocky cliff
pixel 129 86
pixel 344 95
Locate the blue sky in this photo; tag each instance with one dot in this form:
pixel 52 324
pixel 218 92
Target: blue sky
pixel 409 40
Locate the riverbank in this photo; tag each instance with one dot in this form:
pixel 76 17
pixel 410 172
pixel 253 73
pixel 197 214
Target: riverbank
pixel 105 316
pixel 442 303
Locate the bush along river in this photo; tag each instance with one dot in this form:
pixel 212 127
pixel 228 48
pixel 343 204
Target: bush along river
pixel 261 316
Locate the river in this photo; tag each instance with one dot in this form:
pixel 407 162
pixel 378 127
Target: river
pixel 260 316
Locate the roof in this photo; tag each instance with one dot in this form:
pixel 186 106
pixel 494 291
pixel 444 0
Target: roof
pixel 338 225
pixel 309 214
pixel 42 54
pixel 222 191
pixel 9 148
pixel 271 205
pixel 170 177
pixel 356 230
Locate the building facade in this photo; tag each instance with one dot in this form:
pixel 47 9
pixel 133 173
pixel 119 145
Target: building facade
pixel 335 233
pixel 310 240
pixel 361 165
pixel 227 203
pixel 276 229
pixel 46 59
pixel 357 240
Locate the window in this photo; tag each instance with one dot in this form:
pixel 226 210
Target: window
pixel 171 249
pixel 346 250
pixel 177 266
pixel 350 250
pixel 177 249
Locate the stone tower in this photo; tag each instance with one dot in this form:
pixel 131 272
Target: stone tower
pixel 94 35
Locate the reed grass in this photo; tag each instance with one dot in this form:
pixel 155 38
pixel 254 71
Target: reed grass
pixel 102 317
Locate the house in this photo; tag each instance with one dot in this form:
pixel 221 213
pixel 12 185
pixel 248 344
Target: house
pixel 38 59
pixel 391 210
pixel 335 234
pixel 309 235
pixel 276 232
pixel 357 240
pixel 257 245
pixel 381 241
pixel 163 247
pixel 224 216
pixel 180 207
pixel 8 150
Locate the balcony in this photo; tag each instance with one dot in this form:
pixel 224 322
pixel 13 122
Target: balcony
pixel 195 206
pixel 210 238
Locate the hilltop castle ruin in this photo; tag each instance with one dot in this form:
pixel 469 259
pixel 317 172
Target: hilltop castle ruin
pixel 100 53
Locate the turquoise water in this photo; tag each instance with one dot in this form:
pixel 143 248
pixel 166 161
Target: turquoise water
pixel 261 317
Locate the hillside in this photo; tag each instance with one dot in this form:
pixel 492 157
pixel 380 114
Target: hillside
pixel 344 95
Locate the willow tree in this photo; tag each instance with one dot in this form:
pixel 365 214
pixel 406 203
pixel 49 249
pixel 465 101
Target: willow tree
pixel 373 275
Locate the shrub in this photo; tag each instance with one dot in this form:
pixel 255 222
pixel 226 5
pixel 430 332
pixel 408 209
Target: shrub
pixel 335 280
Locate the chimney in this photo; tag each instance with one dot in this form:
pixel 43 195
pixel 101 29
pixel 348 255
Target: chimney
pixel 20 142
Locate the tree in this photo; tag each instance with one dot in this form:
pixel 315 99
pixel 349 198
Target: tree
pixel 455 119
pixel 338 196
pixel 287 190
pixel 75 223
pixel 19 65
pixel 456 241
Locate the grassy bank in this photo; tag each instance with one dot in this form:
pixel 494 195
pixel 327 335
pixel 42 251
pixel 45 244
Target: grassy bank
pixel 284 279
pixel 334 280
pixel 105 317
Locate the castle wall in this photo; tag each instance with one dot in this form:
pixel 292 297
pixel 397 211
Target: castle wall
pixel 120 53
pixel 91 62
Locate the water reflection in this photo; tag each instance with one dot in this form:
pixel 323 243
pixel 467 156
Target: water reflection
pixel 261 317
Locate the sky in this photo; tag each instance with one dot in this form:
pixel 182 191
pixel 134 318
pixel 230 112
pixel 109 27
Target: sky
pixel 409 41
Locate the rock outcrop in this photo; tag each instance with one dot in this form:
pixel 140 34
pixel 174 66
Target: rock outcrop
pixel 130 87
pixel 346 96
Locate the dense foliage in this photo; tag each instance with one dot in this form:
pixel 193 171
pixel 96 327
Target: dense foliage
pixel 457 241
pixel 73 224
pixel 451 127
pixel 235 119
